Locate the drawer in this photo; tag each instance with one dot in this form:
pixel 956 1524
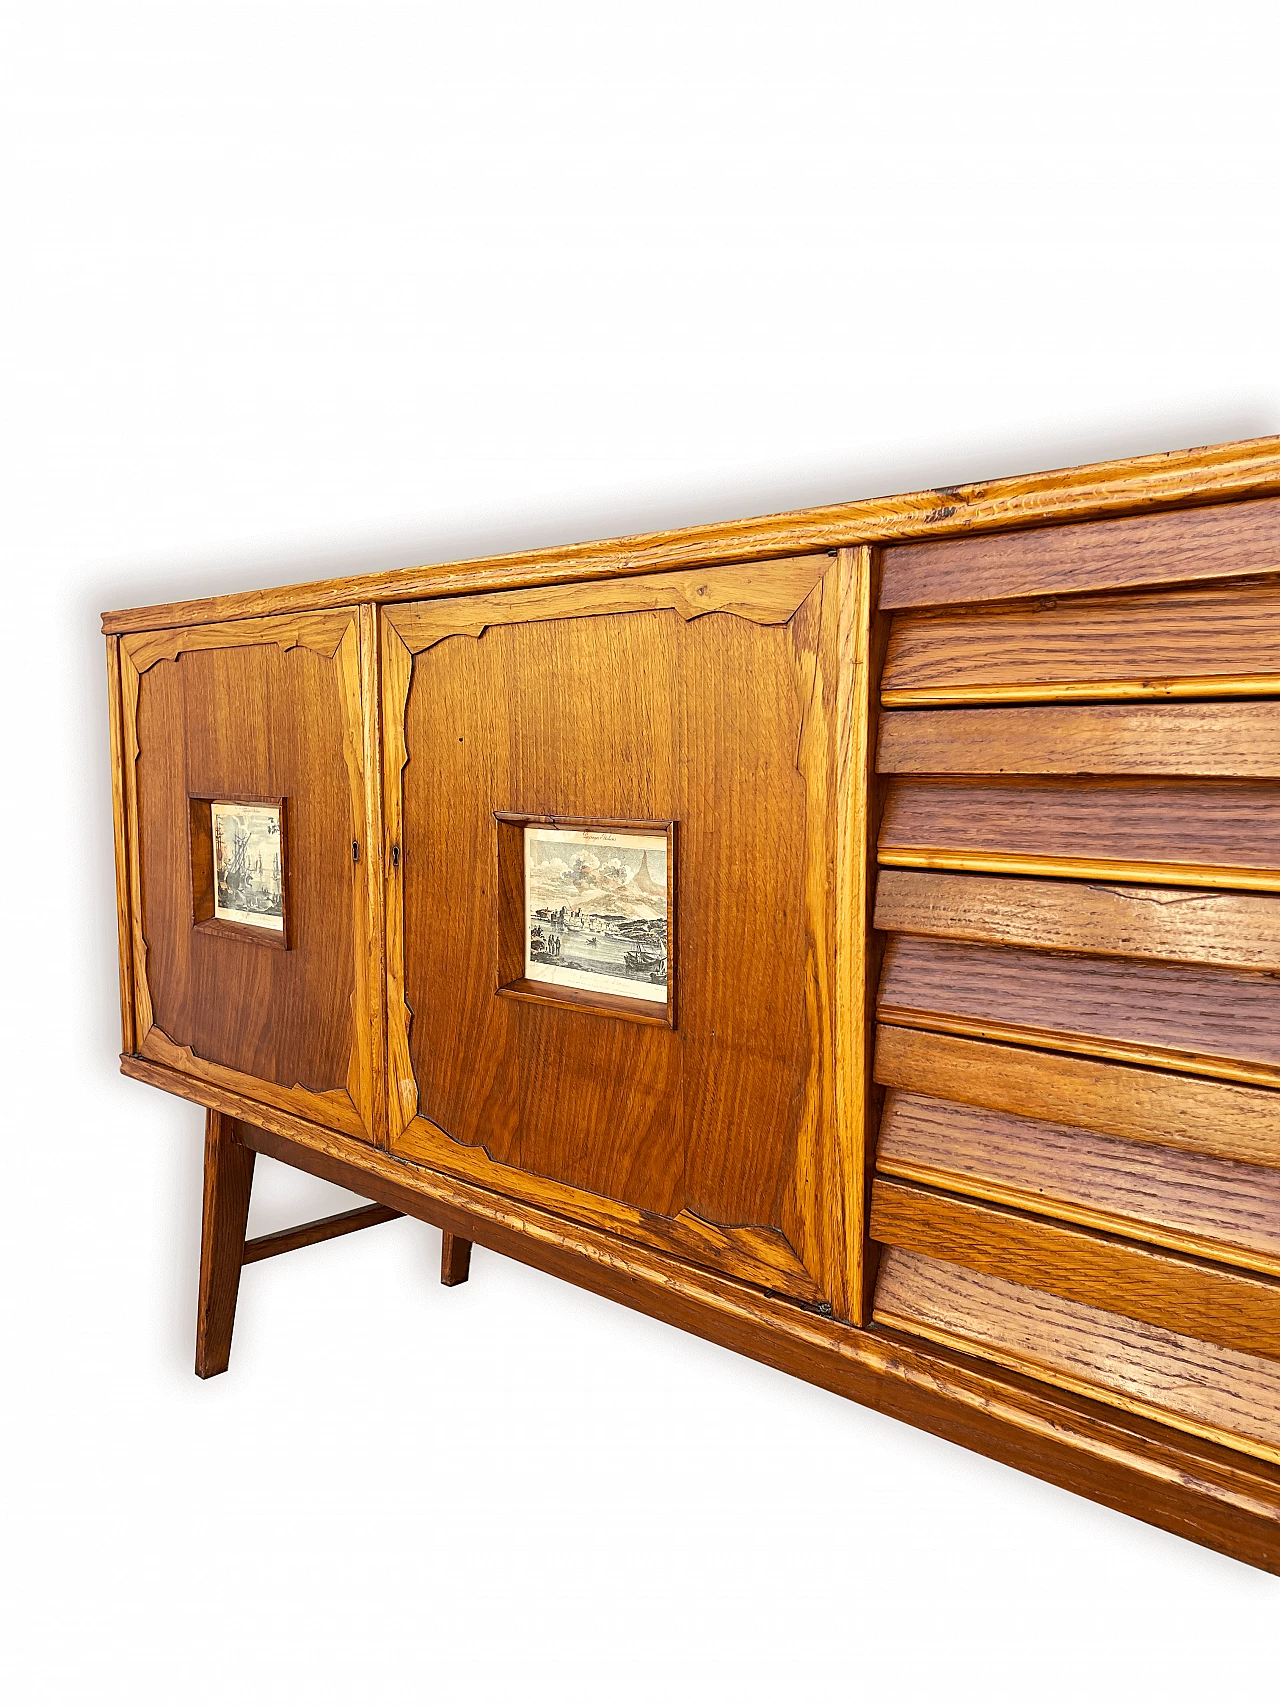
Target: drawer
pixel 1194 1385
pixel 1177 1162
pixel 1189 1343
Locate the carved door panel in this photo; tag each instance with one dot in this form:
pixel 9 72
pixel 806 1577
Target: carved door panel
pixel 718 707
pixel 247 754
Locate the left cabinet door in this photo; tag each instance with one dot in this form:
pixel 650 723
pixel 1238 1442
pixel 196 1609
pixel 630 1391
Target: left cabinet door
pixel 253 850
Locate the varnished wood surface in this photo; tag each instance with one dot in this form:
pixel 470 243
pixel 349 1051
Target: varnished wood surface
pixel 455 1260
pixel 760 1256
pixel 316 1232
pixel 1215 739
pixel 730 729
pixel 1233 1122
pixel 228 1180
pixel 1223 1395
pixel 274 709
pixel 1219 834
pixel 859 795
pixel 1227 1211
pixel 1213 474
pixel 1204 1300
pixel 119 826
pixel 1126 920
pixel 769 592
pixel 1215 1019
pixel 1133 551
pixel 1205 1492
pixel 1180 642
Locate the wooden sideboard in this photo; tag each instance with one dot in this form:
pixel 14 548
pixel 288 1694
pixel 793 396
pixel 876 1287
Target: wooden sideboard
pixel 903 1007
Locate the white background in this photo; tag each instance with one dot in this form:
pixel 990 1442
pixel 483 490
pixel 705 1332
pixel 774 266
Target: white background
pixel 294 290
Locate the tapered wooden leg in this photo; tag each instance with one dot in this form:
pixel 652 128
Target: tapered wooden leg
pixel 455 1260
pixel 228 1177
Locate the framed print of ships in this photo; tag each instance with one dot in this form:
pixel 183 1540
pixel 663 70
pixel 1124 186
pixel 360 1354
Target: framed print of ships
pixel 597 910
pixel 248 868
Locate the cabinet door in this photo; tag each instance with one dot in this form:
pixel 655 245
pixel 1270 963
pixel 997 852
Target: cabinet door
pixel 706 721
pixel 254 876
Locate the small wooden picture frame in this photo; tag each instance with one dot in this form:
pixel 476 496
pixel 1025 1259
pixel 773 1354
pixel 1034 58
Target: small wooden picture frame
pixel 239 854
pixel 587 914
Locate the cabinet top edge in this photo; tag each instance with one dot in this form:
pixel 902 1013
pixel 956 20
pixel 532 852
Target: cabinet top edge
pixel 1248 468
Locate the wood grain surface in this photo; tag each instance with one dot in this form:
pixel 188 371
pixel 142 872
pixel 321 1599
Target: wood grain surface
pixel 770 592
pixel 1233 1122
pixel 1184 1294
pixel 119 826
pixel 1223 1395
pixel 730 1119
pixel 1217 834
pixel 1208 475
pixel 1184 642
pixel 274 709
pixel 1125 920
pixel 317 1232
pixel 1228 1211
pixel 1217 1020
pixel 1213 739
pixel 228 1181
pixel 1132 551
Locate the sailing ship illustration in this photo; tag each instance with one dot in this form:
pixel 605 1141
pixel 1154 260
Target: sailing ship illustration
pixel 246 860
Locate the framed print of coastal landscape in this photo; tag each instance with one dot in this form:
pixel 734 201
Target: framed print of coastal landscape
pixel 597 910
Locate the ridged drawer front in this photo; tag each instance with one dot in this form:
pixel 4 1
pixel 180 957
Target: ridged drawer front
pixel 1212 1019
pixel 1078 1043
pixel 1186 641
pixel 1186 1295
pixel 1218 542
pixel 1237 1123
pixel 1211 1390
pixel 1228 1211
pixel 1191 926
pixel 1212 833
pixel 1207 739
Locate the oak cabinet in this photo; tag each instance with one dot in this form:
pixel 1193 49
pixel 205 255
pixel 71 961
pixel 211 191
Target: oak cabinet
pixel 958 1088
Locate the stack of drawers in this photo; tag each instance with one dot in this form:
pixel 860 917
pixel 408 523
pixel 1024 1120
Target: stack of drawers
pixel 1078 1162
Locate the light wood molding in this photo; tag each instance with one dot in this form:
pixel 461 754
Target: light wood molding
pixel 760 1256
pixel 321 632
pixel 397 672
pixel 768 593
pixel 1102 870
pixel 1247 469
pixel 336 1108
pixel 861 649
pixel 1066 693
pixel 119 825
